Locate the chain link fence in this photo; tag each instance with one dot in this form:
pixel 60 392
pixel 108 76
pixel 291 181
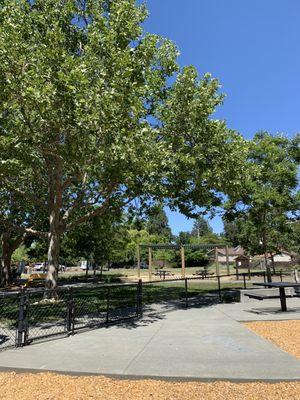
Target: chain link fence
pixel 9 318
pixel 35 314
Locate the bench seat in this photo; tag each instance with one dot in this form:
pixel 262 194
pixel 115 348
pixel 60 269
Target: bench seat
pixel 264 297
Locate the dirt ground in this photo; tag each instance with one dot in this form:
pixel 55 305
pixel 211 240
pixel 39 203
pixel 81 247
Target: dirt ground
pixel 285 334
pixel 46 386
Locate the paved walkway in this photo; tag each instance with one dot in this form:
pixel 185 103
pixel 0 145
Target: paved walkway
pixel 200 343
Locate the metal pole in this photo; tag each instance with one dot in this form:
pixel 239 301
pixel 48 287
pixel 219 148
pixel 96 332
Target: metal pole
pixel 217 261
pixel 150 263
pixel 186 293
pixel 138 255
pixel 22 331
pixel 182 262
pixel 219 288
pixel 244 279
pixel 107 305
pixel 227 261
pixel 139 299
pixel 282 299
pixel 71 312
pixel 264 274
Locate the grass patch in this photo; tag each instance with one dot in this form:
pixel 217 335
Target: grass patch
pixel 93 300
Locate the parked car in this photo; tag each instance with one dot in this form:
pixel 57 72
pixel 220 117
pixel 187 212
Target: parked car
pixel 85 265
pixel 143 265
pixel 39 266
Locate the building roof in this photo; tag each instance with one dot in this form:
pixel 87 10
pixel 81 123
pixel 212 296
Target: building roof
pixel 232 251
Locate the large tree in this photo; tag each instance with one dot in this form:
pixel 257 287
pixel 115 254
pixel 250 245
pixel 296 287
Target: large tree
pixel 231 232
pixel 18 213
pixel 88 107
pixel 158 223
pixel 264 211
pixel 201 227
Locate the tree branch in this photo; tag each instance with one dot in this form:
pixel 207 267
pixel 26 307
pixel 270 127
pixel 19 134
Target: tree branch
pixel 30 196
pixel 30 231
pixel 97 211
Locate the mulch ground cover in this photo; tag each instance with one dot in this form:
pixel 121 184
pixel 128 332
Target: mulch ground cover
pixel 285 334
pixel 49 386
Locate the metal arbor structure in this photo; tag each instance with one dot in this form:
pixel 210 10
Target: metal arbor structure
pixel 182 248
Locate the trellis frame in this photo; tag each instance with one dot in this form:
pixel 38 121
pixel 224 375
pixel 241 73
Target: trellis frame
pixel 182 248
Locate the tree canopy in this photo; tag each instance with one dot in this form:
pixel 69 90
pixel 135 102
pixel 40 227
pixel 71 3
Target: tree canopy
pixel 264 211
pixel 100 115
pixel 201 227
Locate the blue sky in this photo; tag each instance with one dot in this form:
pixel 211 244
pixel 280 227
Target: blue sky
pixel 252 46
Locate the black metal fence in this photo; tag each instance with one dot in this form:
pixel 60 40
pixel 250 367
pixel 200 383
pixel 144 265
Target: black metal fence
pixel 34 314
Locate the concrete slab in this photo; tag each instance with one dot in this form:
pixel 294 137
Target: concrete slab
pixel 204 343
pixel 266 310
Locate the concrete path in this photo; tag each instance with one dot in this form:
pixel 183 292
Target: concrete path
pixel 203 343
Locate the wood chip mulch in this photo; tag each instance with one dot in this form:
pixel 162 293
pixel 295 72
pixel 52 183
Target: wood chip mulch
pixel 50 386
pixel 285 334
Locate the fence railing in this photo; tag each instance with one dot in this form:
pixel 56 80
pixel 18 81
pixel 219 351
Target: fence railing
pixel 34 314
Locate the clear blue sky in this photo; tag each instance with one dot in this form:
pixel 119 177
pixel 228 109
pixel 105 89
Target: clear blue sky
pixel 252 46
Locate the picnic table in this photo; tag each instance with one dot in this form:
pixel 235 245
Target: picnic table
pixel 203 273
pixel 162 273
pixel 282 295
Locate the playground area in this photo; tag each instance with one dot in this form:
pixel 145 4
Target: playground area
pixel 194 336
pixel 201 353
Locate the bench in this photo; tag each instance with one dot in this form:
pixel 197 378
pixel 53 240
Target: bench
pixel 282 294
pixel 263 297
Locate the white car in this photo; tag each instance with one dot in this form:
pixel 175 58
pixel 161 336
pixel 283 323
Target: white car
pixel 39 266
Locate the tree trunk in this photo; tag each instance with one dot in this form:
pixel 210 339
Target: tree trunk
pixel 268 270
pixel 53 250
pixel 55 228
pixel 7 275
pixel 265 248
pixel 7 251
pixel 273 263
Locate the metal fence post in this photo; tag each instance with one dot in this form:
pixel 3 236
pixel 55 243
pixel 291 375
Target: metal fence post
pixel 22 331
pixel 139 299
pixel 265 278
pixel 70 312
pixel 219 288
pixel 186 293
pixel 244 279
pixel 107 304
pixel 280 275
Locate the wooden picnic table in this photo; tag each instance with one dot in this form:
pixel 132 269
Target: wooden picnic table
pixel 281 286
pixel 162 273
pixel 203 273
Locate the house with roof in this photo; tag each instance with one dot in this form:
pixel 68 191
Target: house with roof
pixel 281 257
pixel 236 255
